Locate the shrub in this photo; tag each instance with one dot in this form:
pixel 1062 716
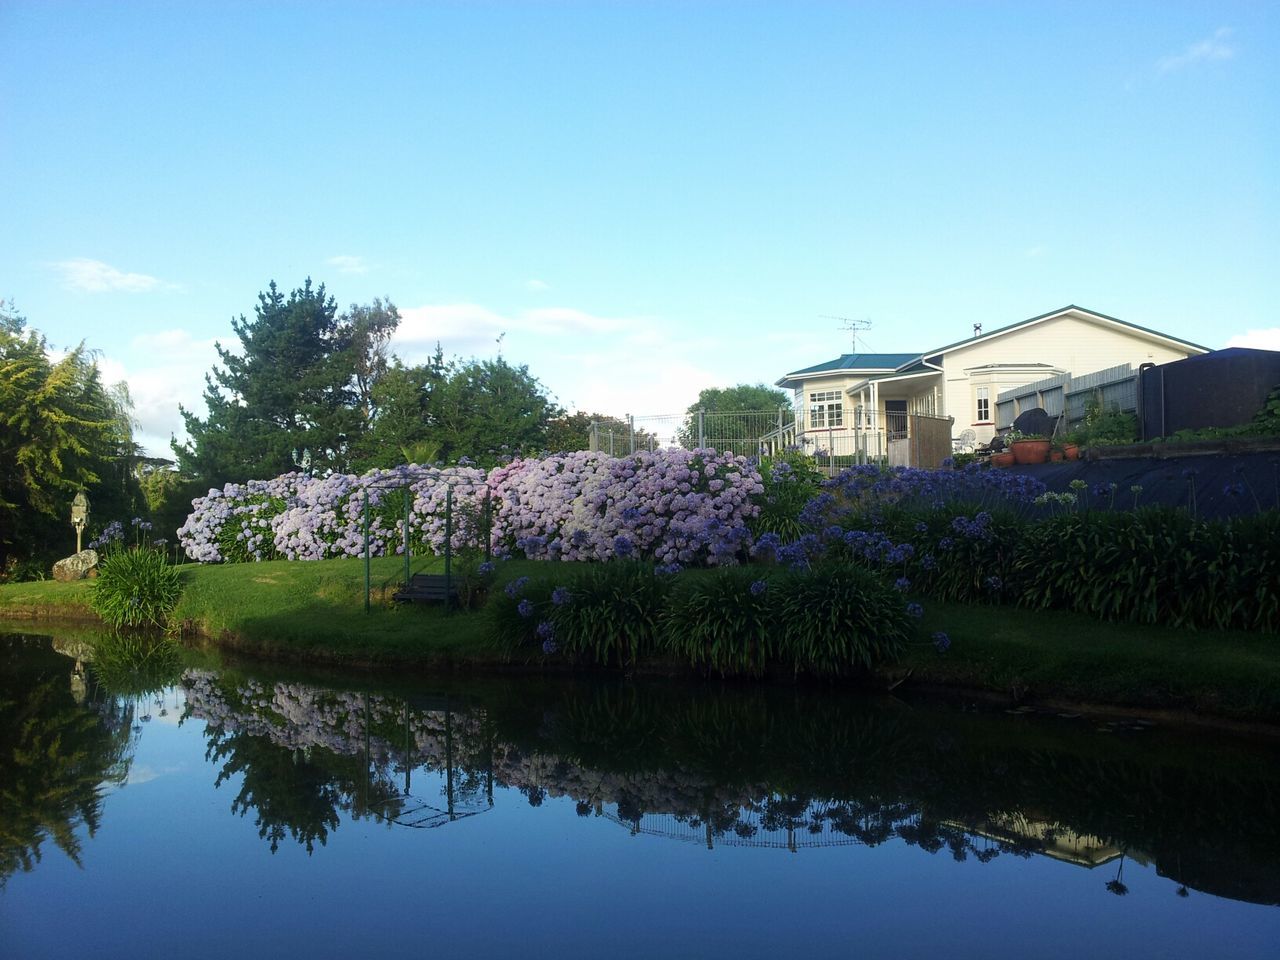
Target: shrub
pixel 789 482
pixel 135 588
pixel 722 622
pixel 610 613
pixel 837 619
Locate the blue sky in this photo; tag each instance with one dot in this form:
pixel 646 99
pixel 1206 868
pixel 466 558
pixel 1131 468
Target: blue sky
pixel 646 198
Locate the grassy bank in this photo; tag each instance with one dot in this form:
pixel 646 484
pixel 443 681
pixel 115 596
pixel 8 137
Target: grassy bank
pixel 314 612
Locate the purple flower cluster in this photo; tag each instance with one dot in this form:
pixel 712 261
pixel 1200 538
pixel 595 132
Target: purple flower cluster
pixel 673 506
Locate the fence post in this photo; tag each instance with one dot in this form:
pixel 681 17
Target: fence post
pixel 702 428
pixel 408 502
pixel 631 433
pixel 594 443
pixel 488 524
pixel 367 578
pixel 777 444
pixel 448 547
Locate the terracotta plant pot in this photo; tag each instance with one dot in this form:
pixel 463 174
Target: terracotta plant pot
pixel 1071 451
pixel 1003 459
pixel 1028 452
pixel 1056 456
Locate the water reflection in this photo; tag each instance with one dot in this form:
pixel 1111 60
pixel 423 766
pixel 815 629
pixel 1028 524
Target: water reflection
pixel 774 769
pixel 751 768
pixel 63 744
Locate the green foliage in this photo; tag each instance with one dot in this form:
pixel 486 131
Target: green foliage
pixel 838 619
pixel 1106 426
pixel 733 432
pixel 135 588
pixel 790 481
pixel 303 378
pixel 572 431
pixel 1154 565
pixel 486 409
pixel 611 617
pixel 61 431
pixel 442 411
pixel 718 623
pixel 608 614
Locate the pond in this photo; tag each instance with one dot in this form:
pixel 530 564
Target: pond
pixel 251 811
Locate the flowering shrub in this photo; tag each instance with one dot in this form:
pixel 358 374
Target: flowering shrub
pixel 672 506
pixel 675 506
pixel 296 517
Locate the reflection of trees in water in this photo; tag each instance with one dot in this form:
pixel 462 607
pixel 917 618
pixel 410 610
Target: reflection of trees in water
pixel 299 793
pixel 767 769
pixel 57 754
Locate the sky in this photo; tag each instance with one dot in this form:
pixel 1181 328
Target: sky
pixel 638 200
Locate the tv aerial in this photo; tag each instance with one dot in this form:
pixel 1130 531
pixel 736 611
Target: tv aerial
pixel 852 326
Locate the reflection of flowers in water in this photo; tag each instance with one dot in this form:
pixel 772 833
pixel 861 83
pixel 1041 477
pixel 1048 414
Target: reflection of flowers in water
pixel 302 718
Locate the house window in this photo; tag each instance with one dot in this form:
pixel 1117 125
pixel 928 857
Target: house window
pixel 826 409
pixel 984 404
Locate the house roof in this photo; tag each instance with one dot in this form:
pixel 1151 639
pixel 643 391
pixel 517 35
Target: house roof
pixel 867 363
pixel 1053 313
pixel 876 364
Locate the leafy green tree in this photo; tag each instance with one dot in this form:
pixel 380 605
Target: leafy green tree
pixel 485 409
pixel 733 417
pixel 61 431
pixel 401 429
pixel 288 388
pixel 368 330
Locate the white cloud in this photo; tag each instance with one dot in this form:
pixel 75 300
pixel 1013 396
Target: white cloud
pixel 94 276
pixel 1265 339
pixel 537 286
pixel 468 329
pixel 165 369
pixel 1036 251
pixel 345 263
pixel 1215 47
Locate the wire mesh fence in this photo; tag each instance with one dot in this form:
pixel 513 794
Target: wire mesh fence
pixel 746 433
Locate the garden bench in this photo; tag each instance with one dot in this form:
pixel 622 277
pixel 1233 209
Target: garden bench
pixel 427 588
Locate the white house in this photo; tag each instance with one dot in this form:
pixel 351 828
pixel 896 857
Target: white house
pixel 860 402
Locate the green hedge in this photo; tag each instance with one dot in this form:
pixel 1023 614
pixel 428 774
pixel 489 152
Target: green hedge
pixel 737 621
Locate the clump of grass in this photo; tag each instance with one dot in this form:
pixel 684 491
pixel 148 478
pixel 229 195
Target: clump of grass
pixel 135 588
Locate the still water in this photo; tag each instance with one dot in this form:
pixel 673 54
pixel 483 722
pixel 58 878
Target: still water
pixel 246 812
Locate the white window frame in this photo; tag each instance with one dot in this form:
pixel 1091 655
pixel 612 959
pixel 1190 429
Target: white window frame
pixel 826 410
pixel 983 405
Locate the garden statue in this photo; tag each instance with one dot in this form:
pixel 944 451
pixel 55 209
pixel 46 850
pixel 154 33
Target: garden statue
pixel 79 515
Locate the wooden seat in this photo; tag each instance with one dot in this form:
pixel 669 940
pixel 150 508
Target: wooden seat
pixel 427 588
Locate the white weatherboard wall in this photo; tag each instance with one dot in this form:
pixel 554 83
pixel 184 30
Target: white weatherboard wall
pixel 1071 343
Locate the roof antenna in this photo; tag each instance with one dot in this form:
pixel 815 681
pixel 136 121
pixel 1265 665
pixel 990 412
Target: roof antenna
pixel 977 329
pixel 853 326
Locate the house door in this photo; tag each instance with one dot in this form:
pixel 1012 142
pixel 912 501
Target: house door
pixel 895 419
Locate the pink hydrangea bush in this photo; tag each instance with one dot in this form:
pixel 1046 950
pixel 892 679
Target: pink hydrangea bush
pixel 688 507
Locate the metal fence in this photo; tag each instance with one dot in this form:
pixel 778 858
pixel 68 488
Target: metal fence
pixel 747 433
pixel 906 439
pixel 1115 388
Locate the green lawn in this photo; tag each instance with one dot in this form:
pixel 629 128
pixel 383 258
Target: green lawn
pixel 1059 655
pixel 315 612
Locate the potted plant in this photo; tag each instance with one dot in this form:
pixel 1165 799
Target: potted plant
pixel 1071 446
pixel 1027 448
